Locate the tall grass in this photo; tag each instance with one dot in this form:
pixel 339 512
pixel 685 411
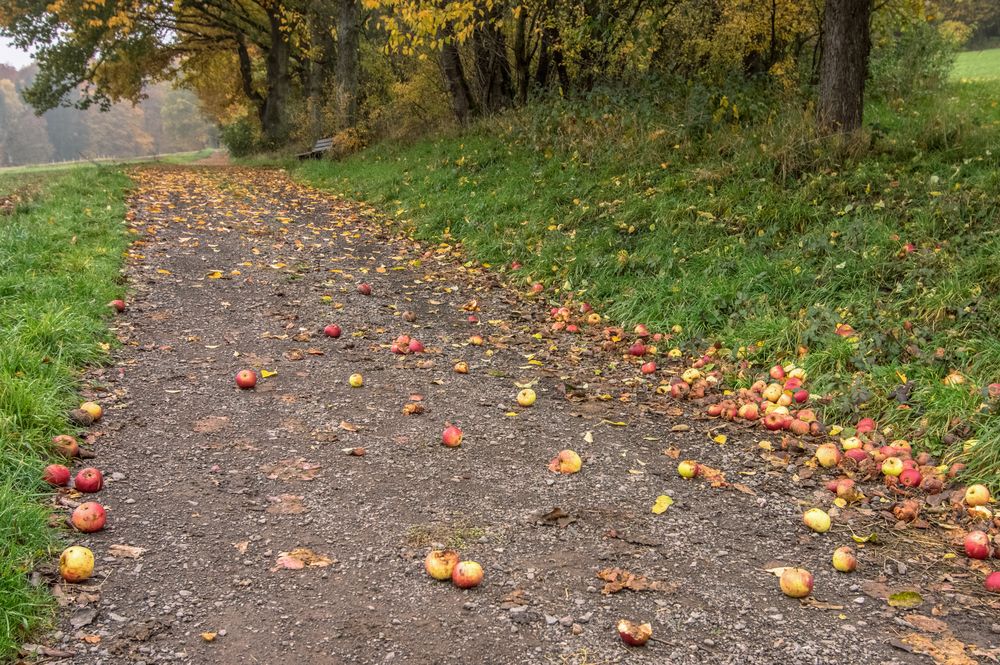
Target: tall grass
pixel 60 260
pixel 675 209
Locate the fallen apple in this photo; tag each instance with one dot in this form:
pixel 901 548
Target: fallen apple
pixel 467 574
pixel 910 478
pixel 892 466
pixel 796 582
pixel 439 564
pixel 648 368
pixel 66 445
pixel 476 340
pixel 977 545
pixel 409 316
pixel 828 455
pixel 801 396
pixel 774 421
pixel 537 288
pixel 977 495
pixel 844 559
pixel 332 330
pixel 817 520
pixel 851 443
pixel 777 372
pixel 567 461
pixel 89 480
pixel 246 379
pixel 772 393
pixel 89 517
pixel 526 397
pixel 452 437
pixel 634 634
pixel 56 475
pixel 593 319
pixel 687 469
pixel 94 409
pixel 749 411
pixel 801 428
pixel 865 425
pixel 857 454
pixel 637 349
pixel 365 289
pixel 416 346
pixel 118 305
pixel 992 582
pixel 462 367
pixel 641 330
pixel 356 380
pixel 76 563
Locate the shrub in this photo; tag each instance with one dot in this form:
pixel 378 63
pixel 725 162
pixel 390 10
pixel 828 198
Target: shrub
pixel 241 137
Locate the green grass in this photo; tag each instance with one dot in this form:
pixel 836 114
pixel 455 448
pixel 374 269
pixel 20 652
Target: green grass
pixel 666 212
pixel 58 167
pixel 977 65
pixel 60 256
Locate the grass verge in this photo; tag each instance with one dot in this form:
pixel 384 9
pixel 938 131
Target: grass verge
pixel 60 257
pixel 757 234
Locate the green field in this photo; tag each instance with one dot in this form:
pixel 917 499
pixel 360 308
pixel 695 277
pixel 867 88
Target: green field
pixel 977 65
pixel 60 256
pixel 755 235
pixel 172 158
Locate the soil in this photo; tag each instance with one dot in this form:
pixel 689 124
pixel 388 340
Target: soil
pixel 236 268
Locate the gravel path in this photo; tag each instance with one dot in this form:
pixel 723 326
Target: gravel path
pixel 237 268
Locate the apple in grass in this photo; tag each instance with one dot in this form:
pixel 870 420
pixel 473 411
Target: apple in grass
pixel 332 330
pixel 118 305
pixel 467 574
pixel 844 559
pixel 634 634
pixel 537 288
pixel 567 461
pixel 440 564
pixel 89 517
pixel 800 396
pixel 246 379
pixel 977 495
pixel 89 480
pixel 796 582
pixel 66 445
pixel 56 475
pixel 452 437
pixel 76 563
pixel 777 372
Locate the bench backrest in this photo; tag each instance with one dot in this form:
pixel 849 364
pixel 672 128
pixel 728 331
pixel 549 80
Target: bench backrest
pixel 323 144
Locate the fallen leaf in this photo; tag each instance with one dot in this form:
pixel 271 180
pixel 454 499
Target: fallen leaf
pixel 286 504
pixel 299 558
pixel 618 579
pixel 92 639
pixel 809 601
pixel 672 453
pixel 945 650
pixel 743 488
pixel 241 546
pixel 680 428
pixel 662 503
pixel 265 373
pixel 412 409
pixel 208 637
pixel 126 551
pixel 350 427
pixel 720 439
pixel 291 469
pixel 926 623
pixel 905 599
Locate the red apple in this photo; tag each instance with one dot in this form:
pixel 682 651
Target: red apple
pixel 634 634
pixel 844 559
pixel 452 437
pixel 865 425
pixel 793 383
pixel 910 478
pixel 416 346
pixel 537 288
pixel 467 574
pixel 56 475
pixel 641 330
pixel 714 410
pixel 364 289
pixel 798 427
pixel 777 372
pixel 89 480
pixel 119 305
pixel 332 330
pixel 774 421
pixel 992 582
pixel 637 349
pixel 66 445
pixel 977 545
pixel 440 564
pixel 801 396
pixel 246 379
pixel 89 517
pixel 749 411
pixel 648 368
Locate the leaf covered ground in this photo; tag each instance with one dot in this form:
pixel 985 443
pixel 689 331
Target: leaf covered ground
pixel 289 523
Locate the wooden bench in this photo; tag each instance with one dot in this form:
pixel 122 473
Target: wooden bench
pixel 317 151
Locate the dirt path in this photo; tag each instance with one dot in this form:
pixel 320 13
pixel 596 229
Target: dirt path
pixel 208 479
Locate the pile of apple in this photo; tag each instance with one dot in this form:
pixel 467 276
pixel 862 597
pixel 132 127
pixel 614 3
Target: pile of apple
pixel 563 318
pixel 445 565
pixel 404 344
pixel 773 403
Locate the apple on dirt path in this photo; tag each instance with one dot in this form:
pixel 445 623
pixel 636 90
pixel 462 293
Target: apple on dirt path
pixel 365 289
pixel 246 379
pixel 977 545
pixel 89 480
pixel 452 437
pixel 66 445
pixel 118 305
pixel 76 563
pixel 796 582
pixel 634 634
pixel 439 564
pixel 89 517
pixel 94 409
pixel 567 461
pixel 332 330
pixel 467 574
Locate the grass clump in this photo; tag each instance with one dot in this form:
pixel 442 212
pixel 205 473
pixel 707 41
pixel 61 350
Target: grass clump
pixel 60 260
pixel 731 219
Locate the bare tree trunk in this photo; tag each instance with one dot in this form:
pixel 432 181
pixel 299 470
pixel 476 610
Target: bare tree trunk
pixel 274 121
pixel 348 60
pixel 845 44
pixel 315 73
pixel 522 59
pixel 489 46
pixel 462 102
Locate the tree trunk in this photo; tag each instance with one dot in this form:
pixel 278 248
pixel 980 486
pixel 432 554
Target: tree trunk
pixel 274 120
pixel 315 74
pixel 348 61
pixel 845 43
pixel 489 46
pixel 522 60
pixel 458 87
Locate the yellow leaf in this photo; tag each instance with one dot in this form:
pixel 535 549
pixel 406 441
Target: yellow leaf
pixel 616 423
pixel 215 274
pixel 662 503
pixel 208 637
pixel 266 373
pixel 163 272
pixel 719 439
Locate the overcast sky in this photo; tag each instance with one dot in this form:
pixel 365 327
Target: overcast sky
pixel 11 56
